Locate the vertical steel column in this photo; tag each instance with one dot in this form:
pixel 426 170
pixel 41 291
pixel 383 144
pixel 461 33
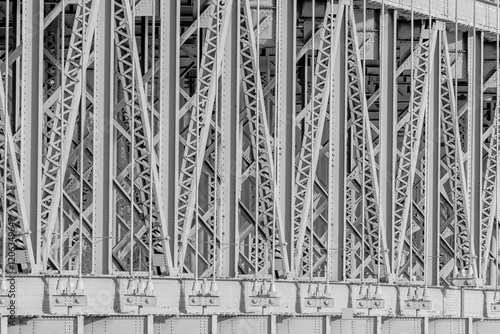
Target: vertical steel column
pixel 388 110
pixel 31 121
pixel 285 107
pixel 337 155
pixel 432 133
pixel 475 101
pixel 168 104
pixel 228 100
pixel 102 155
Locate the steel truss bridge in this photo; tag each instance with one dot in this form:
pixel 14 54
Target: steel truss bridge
pixel 249 166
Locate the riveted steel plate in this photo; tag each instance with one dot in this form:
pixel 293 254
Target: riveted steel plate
pixel 319 302
pixel 182 325
pixel 486 327
pixel 137 300
pixel 447 326
pixel 118 325
pixel 247 325
pixel 59 325
pixel 402 326
pixel 370 303
pixel 353 326
pixel 69 300
pixel 418 304
pixel 264 301
pixel 300 325
pixel 204 301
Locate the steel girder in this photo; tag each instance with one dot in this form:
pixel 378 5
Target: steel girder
pixel 198 180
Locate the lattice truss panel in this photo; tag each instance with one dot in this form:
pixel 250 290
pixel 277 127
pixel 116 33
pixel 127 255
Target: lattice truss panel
pixel 138 220
pixel 455 248
pixel 13 211
pixel 199 141
pixel 65 176
pixel 365 247
pixel 409 210
pixel 454 198
pixel 310 196
pixel 490 141
pixel 261 230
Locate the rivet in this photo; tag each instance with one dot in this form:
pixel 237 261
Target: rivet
pixel 193 300
pixel 309 302
pixel 147 301
pixel 326 302
pixel 254 301
pixel 58 301
pixel 377 303
pixel 271 302
pixel 77 300
pixel 129 300
pixel 211 300
pixel 408 304
pixel 361 304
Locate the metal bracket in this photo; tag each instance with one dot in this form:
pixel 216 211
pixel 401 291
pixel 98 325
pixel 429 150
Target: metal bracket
pixel 319 302
pixel 467 282
pixel 69 300
pixel 370 303
pixel 418 304
pixel 139 300
pixel 265 301
pixel 495 307
pixel 196 300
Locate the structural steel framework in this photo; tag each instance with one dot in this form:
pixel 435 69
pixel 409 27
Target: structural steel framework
pixel 249 166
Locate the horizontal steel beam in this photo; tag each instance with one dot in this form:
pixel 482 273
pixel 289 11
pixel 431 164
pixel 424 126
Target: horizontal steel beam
pixel 109 296
pixel 468 13
pixel 257 324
